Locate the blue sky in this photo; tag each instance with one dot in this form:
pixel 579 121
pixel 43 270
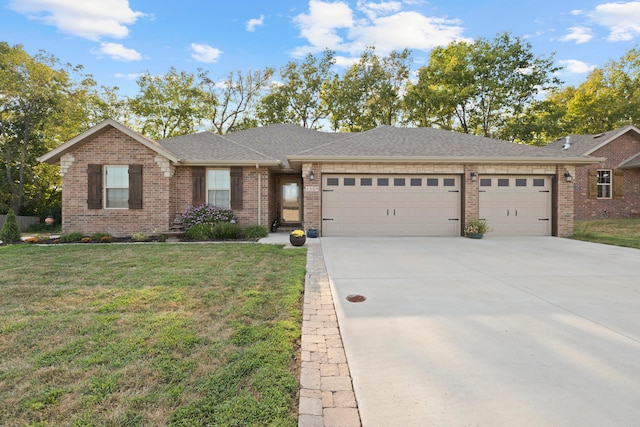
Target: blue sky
pixel 116 40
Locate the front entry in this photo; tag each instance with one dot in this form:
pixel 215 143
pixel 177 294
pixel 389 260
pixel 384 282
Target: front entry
pixel 290 201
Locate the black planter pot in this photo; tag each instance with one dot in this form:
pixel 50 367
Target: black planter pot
pixel 297 241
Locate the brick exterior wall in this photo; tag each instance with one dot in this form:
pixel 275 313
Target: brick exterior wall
pixel 563 203
pixel 615 152
pixel 113 148
pixel 251 207
pixel 163 196
pixel 312 196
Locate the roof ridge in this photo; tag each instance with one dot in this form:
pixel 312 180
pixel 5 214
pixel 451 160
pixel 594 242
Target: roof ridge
pixel 244 146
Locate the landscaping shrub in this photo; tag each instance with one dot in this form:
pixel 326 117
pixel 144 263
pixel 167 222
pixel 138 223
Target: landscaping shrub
pixel 140 236
pixel 10 232
pixel 75 236
pixel 227 231
pixel 255 232
pixel 199 232
pixel 206 214
pixel 99 236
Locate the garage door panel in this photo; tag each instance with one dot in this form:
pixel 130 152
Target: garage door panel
pixel 516 205
pixel 393 205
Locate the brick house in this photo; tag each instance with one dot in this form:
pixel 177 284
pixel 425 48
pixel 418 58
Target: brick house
pixel 387 181
pixel 611 187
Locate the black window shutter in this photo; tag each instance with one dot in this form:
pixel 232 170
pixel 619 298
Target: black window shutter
pixel 94 180
pixel 199 186
pixel 236 188
pixel 593 184
pixel 135 186
pixel 618 178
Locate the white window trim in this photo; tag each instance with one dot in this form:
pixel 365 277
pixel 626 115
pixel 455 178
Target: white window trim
pixel 604 184
pixel 106 187
pixel 207 188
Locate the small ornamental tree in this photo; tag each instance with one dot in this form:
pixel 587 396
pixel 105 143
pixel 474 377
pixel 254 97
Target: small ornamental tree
pixel 10 232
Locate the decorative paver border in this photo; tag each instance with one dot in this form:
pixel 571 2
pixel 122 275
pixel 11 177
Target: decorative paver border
pixel 326 391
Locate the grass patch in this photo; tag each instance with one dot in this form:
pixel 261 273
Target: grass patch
pixel 142 335
pixel 618 232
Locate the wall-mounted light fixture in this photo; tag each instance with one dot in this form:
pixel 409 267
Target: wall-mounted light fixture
pixel 311 175
pixel 474 176
pixel 568 176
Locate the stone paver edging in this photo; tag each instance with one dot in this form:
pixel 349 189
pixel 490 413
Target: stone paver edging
pixel 326 391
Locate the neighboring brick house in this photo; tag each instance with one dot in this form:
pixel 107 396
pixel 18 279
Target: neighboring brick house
pixel 611 187
pixel 387 181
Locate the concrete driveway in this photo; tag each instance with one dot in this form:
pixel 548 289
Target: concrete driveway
pixel 531 331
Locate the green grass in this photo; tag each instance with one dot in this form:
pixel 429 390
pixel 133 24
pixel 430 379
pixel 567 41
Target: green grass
pixel 618 232
pixel 146 335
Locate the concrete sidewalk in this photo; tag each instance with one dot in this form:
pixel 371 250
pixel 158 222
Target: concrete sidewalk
pixel 523 331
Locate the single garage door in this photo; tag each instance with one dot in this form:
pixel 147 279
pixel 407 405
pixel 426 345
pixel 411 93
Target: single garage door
pixel 516 205
pixel 391 205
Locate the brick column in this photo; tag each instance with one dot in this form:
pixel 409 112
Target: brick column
pixel 565 201
pixel 471 188
pixel 312 196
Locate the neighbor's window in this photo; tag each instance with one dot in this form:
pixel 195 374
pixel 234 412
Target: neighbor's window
pixel 219 188
pixel 116 187
pixel 604 184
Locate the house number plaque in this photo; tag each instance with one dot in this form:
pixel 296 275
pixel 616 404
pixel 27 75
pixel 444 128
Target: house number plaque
pixel 311 189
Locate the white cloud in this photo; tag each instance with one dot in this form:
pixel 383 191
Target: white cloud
pixel 128 76
pixel 255 22
pixel 578 35
pixel 407 29
pixel 117 52
pixel 204 52
pixel 320 27
pixel 334 25
pixel 573 66
pixel 622 19
pixel 373 10
pixel 92 20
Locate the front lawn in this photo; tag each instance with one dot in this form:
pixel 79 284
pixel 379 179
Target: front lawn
pixel 151 334
pixel 619 232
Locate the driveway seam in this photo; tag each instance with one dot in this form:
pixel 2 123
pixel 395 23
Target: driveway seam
pixel 327 398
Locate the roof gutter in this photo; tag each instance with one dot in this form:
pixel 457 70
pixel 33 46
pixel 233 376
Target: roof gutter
pixel 448 160
pixel 222 163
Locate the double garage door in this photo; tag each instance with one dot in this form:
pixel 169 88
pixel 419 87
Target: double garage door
pixel 425 205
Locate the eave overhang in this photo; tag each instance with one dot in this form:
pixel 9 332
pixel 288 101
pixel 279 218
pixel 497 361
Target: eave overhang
pixel 296 159
pixel 53 156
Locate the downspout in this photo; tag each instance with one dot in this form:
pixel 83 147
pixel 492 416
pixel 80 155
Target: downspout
pixel 259 194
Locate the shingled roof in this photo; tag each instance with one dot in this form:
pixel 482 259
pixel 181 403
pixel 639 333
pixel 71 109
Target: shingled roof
pixel 281 140
pixel 208 148
pixel 588 144
pixel 428 144
pixel 282 144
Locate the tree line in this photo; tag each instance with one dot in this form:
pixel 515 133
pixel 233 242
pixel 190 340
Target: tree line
pixel 491 87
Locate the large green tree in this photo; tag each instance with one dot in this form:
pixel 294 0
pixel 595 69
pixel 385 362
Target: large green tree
pixel 608 98
pixel 298 97
pixel 168 105
pixel 230 104
pixel 369 93
pixel 476 87
pixel 42 104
